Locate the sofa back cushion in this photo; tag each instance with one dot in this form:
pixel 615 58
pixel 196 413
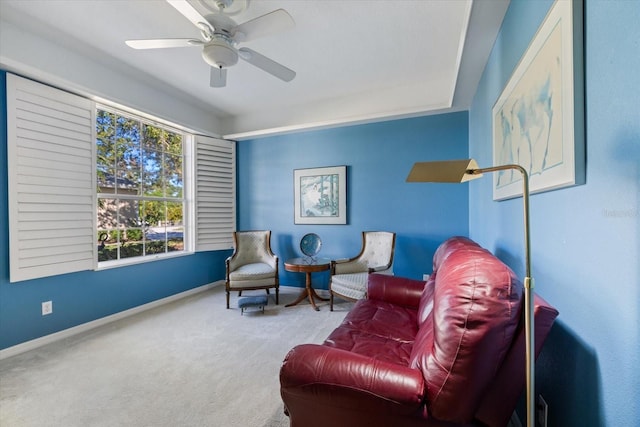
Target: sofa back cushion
pixel 465 336
pixel 448 247
pixel 444 250
pixel 425 306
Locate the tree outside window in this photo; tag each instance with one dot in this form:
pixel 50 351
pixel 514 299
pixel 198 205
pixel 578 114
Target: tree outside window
pixel 140 181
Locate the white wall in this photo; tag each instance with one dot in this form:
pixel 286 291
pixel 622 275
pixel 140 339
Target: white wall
pixel 50 62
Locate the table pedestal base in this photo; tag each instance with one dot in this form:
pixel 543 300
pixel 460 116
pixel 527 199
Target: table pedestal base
pixel 309 293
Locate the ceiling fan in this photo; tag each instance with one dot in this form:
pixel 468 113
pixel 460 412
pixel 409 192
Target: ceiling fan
pixel 220 36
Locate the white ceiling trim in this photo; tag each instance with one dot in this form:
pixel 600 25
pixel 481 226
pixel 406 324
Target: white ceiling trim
pixel 357 60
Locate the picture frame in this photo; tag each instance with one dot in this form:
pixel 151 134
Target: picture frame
pixel 538 120
pixel 320 195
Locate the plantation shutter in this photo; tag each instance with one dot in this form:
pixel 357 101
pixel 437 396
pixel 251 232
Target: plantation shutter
pixel 215 193
pixel 50 151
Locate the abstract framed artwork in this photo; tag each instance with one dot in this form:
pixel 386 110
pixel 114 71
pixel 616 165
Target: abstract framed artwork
pixel 320 195
pixel 538 120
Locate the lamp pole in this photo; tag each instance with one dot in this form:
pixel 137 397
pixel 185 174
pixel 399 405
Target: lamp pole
pixel 528 289
pixel 457 171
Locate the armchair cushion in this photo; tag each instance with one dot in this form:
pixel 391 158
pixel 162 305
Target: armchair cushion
pixel 352 285
pixel 256 274
pixel 253 271
pixel 252 247
pixel 349 276
pixel 252 265
pixel 379 248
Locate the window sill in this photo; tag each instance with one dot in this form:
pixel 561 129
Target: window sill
pixel 105 265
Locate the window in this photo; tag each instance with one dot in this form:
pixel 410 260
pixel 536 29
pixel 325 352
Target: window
pixel 140 187
pixel 91 184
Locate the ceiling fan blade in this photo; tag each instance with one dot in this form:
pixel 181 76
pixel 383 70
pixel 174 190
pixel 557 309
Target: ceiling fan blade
pixel 162 43
pixel 266 64
pixel 218 77
pixel 271 23
pixel 189 12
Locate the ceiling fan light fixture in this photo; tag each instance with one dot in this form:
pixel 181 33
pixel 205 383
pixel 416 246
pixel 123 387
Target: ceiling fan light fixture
pixel 219 54
pixel 221 34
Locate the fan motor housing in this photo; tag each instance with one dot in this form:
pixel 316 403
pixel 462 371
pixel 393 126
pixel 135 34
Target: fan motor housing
pixel 219 54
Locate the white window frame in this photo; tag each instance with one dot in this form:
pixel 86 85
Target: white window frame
pixel 187 184
pixel 59 253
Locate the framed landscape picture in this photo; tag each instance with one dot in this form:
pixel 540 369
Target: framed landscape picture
pixel 538 120
pixel 320 195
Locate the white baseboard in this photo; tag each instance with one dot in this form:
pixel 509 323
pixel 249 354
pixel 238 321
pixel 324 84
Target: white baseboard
pixel 47 339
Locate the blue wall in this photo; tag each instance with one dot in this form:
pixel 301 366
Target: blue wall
pixel 585 239
pixel 378 157
pixel 82 297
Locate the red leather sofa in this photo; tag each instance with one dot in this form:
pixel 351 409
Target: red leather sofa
pixel 446 352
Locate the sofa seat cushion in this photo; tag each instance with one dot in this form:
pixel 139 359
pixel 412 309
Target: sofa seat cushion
pixel 374 346
pixel 377 329
pixel 383 319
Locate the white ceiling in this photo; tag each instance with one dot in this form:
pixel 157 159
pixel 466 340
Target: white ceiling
pixel 356 60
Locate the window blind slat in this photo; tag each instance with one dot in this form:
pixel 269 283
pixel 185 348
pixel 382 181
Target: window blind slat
pixel 51 180
pixel 215 189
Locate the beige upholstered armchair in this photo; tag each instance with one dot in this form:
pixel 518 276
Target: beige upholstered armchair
pixel 349 277
pixel 252 265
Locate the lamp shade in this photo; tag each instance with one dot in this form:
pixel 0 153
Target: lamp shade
pixel 454 171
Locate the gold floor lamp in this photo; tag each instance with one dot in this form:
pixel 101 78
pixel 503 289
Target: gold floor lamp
pixel 457 171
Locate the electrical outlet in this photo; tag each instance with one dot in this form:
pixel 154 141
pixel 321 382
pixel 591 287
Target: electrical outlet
pixel 47 308
pixel 541 410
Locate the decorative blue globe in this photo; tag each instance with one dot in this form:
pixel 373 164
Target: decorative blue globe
pixel 310 244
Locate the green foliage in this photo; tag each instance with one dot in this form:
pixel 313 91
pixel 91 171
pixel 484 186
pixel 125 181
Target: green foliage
pixel 135 158
pixel 135 249
pixel 134 234
pixel 175 213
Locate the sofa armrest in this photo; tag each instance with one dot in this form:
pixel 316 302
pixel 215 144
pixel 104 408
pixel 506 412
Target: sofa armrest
pixel 395 290
pixel 336 377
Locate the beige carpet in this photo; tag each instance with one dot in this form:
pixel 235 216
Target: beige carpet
pixel 188 363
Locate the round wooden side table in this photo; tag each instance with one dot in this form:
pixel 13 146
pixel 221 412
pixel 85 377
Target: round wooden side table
pixel 307 265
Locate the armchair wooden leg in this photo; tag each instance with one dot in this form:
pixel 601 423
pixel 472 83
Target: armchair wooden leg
pixel 227 299
pixel 330 301
pixel 277 295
